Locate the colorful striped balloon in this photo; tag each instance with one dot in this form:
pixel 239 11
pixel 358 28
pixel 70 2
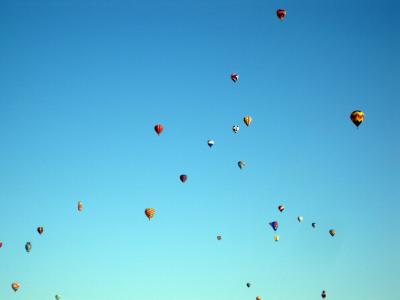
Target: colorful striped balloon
pixel 150 212
pixel 357 117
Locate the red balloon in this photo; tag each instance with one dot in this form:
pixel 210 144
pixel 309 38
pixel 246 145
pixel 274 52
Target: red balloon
pixel 1 244
pixel 159 128
pixel 281 13
pixel 183 178
pixel 40 230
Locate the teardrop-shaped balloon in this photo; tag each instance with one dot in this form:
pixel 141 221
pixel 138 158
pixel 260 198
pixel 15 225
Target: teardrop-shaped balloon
pixel 28 247
pixel 314 225
pixel 247 120
pixel 150 212
pixel 276 238
pixel 258 298
pixel 241 164
pixel 332 232
pixel 80 205
pixel 58 297
pixel 15 286
pixel 248 284
pixel 300 218
pixel 1 244
pixel 183 178
pixel 210 143
pixel 281 208
pixel 274 225
pixel 159 128
pixel 357 117
pixel 40 230
pixel 323 294
pixel 219 237
pixel 281 13
pixel 234 77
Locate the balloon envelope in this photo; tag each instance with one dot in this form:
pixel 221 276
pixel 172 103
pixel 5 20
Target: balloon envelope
pixel 323 294
pixel 314 225
pixel 150 212
pixel 241 164
pixel 159 128
pixel 28 247
pixel 15 286
pixel 234 77
pixel 281 208
pixel 40 230
pixel 300 218
pixel 210 143
pixel 332 232
pixel 183 178
pixel 80 206
pixel 357 117
pixel 248 284
pixel 236 128
pixel 276 238
pixel 281 13
pixel 58 297
pixel 247 120
pixel 274 225
pixel 219 237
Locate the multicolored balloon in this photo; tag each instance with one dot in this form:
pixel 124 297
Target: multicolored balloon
pixel 234 77
pixel 159 128
pixel 258 298
pixel 247 120
pixel 183 178
pixel 281 208
pixel 150 212
pixel 357 117
pixel 281 13
pixel 241 164
pixel 332 232
pixel 235 128
pixel 28 247
pixel 40 230
pixel 15 286
pixel 80 205
pixel 274 225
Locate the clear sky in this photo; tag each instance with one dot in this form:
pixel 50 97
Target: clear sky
pixel 82 86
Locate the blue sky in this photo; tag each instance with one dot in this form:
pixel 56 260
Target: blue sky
pixel 81 88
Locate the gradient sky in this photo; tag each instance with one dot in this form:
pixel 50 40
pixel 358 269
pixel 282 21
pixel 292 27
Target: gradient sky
pixel 82 86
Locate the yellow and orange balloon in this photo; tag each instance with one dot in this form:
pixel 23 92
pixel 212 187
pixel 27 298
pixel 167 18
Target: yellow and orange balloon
pixel 357 117
pixel 247 120
pixel 150 212
pixel 15 286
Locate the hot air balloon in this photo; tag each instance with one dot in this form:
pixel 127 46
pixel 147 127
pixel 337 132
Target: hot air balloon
pixel 281 208
pixel 300 218
pixel 323 294
pixel 281 13
pixel 80 206
pixel 236 128
pixel 40 230
pixel 276 238
pixel 248 284
pixel 210 143
pixel 258 298
pixel 332 232
pixel 247 120
pixel 219 237
pixel 357 117
pixel 241 164
pixel 159 128
pixel 183 178
pixel 150 212
pixel 314 225
pixel 274 225
pixel 1 244
pixel 28 247
pixel 15 286
pixel 234 77
pixel 58 297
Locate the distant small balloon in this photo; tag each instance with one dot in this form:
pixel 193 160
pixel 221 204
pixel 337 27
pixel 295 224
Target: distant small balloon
pixel 281 208
pixel 332 232
pixel 183 178
pixel 150 212
pixel 80 206
pixel 28 247
pixel 258 298
pixel 248 284
pixel 219 237
pixel 15 286
pixel 235 128
pixel 323 294
pixel 276 238
pixel 58 297
pixel 1 244
pixel 40 230
pixel 234 77
pixel 210 143
pixel 281 13
pixel 247 120
pixel 241 164
pixel 314 225
pixel 159 128
pixel 300 218
pixel 274 225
